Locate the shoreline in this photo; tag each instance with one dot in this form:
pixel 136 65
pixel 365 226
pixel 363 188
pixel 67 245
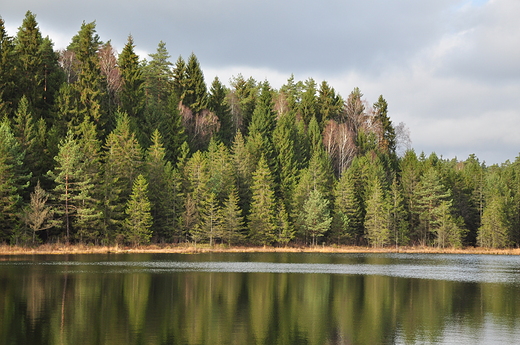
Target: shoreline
pixel 60 249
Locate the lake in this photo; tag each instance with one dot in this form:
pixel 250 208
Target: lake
pixel 260 298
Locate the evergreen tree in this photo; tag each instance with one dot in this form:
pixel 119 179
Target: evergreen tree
pixel 179 80
pixel 123 161
pixel 164 190
pixel 243 163
pixel 430 195
pixel 446 227
pixel 195 91
pixel 308 107
pixel 8 92
pixel 89 91
pixel 13 181
pixel 284 229
pixel 398 216
pixel 231 225
pixel 208 226
pixel 72 186
pixel 315 216
pixel 217 103
pixel 220 167
pixel 495 229
pixel 197 190
pixel 138 222
pixel 387 141
pixel 263 124
pixel 348 213
pixel 262 217
pixel 30 78
pixel 285 139
pixel 329 104
pixel 38 214
pixel 377 216
pixel 132 96
pixel 158 76
pixel 243 101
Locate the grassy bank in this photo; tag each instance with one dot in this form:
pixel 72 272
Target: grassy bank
pixel 190 249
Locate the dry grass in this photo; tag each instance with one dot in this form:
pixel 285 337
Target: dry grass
pixel 190 249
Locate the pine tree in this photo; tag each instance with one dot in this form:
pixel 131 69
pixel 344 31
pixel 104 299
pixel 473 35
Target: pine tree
pixel 446 227
pixel 429 193
pixel 70 184
pixel 138 222
pixel 158 76
pixel 38 214
pixel 262 219
pixel 315 216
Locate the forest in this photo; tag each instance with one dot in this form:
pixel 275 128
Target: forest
pixel 100 147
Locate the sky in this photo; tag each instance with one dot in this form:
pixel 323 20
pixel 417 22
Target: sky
pixel 449 69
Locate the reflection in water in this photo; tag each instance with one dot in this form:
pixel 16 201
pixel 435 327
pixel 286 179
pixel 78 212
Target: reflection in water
pixel 260 299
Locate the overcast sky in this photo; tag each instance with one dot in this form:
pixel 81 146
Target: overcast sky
pixel 449 69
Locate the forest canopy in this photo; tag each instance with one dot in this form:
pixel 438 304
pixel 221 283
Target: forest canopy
pixel 103 147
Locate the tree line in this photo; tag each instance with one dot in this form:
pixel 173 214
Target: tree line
pixel 99 147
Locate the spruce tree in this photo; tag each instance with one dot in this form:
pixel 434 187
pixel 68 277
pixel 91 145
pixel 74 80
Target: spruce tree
pixel 217 103
pixel 132 93
pixel 262 217
pixel 8 92
pixel 195 91
pixel 13 181
pixel 348 210
pixel 377 219
pixel 164 190
pixel 30 78
pixel 315 216
pixel 138 222
pixel 231 225
pixel 123 163
pixel 495 229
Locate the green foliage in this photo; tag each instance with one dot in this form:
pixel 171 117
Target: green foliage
pixel 262 217
pixel 231 225
pixel 13 181
pixel 138 219
pixel 315 217
pixel 377 219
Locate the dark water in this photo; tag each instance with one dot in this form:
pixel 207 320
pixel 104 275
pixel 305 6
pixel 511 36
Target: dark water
pixel 260 299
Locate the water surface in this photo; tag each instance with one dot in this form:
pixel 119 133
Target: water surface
pixel 260 298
